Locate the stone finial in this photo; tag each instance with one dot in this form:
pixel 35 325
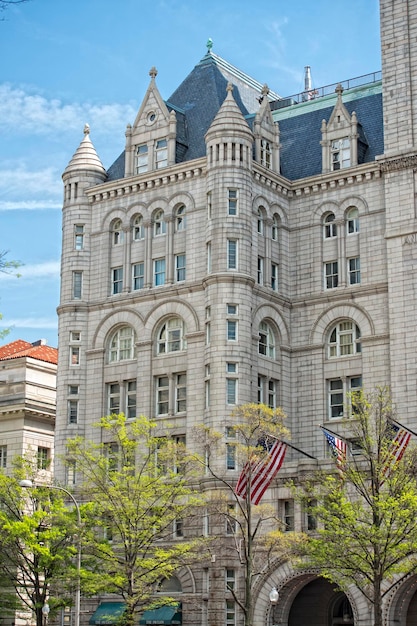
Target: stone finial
pixel 153 73
pixel 86 129
pixel 339 90
pixel 265 90
pixel 209 44
pixel 229 88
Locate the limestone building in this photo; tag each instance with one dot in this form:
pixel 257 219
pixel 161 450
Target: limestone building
pixel 27 403
pixel 247 247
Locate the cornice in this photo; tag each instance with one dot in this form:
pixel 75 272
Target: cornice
pixel 402 162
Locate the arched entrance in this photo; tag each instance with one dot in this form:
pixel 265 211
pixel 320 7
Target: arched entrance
pixel 313 601
pixel 402 610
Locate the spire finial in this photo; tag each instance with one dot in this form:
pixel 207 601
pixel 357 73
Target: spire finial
pixel 265 90
pixel 153 72
pixel 339 90
pixel 229 88
pixel 209 44
pixel 86 129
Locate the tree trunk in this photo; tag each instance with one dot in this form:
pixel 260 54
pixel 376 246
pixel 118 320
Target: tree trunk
pixel 377 601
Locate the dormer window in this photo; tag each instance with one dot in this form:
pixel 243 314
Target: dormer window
pixel 266 153
pixel 141 158
pixel 340 153
pixel 161 154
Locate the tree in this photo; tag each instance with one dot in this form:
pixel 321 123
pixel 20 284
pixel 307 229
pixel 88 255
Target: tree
pixel 36 547
pixel 368 509
pixel 141 497
pixel 256 531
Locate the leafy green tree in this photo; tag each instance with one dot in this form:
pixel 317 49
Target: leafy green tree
pixel 256 532
pixel 144 506
pixel 367 511
pixel 36 547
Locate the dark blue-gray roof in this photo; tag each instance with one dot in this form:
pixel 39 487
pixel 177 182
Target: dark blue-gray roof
pixel 199 97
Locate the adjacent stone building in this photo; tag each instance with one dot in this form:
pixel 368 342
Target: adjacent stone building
pixel 246 247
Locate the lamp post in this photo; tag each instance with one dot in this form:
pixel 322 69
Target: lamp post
pixel 28 484
pixel 273 600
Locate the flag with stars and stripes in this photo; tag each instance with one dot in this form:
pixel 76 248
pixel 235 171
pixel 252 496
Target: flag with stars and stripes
pixel 257 475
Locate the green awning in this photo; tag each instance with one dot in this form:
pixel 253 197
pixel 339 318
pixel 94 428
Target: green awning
pixel 107 613
pixel 165 615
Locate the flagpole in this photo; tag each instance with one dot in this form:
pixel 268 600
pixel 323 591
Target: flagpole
pixel 299 450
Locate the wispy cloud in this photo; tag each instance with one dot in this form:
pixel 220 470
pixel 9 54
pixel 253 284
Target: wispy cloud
pixel 276 44
pixel 21 188
pixel 22 109
pixel 29 205
pixel 30 322
pixel 48 269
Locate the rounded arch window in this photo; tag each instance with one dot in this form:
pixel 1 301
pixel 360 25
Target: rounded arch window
pixel 330 229
pixel 266 342
pixel 159 224
pixel 275 228
pixel 171 336
pixel 352 220
pixel 180 219
pixel 170 585
pixel 138 228
pixel 344 339
pixel 122 344
pixel 261 220
pixel 117 232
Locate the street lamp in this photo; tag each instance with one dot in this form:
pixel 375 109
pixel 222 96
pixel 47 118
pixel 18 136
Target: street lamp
pixel 45 609
pixel 273 600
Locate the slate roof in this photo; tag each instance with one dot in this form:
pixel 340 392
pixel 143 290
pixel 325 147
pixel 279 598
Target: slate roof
pixel 200 96
pixel 19 348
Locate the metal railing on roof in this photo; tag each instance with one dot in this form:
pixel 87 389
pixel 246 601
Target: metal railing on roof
pixel 319 92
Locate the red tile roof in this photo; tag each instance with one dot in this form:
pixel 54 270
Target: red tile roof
pixel 19 348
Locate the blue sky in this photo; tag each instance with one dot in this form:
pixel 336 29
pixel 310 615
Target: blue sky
pixel 67 62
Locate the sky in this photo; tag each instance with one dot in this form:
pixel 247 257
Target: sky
pixel 68 62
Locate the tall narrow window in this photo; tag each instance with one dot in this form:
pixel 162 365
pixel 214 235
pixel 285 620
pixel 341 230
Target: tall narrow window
pixel 207 386
pixel 354 271
pixel 72 411
pixel 74 355
pixel 260 274
pixel 162 395
pixel 138 228
pixel 352 221
pixel 180 392
pixel 231 326
pixel 43 457
pixel 180 268
pixel 331 275
pixel 180 222
pixel 138 276
pixel 159 272
pixel 330 229
pixel 77 284
pixel 274 276
pixel 232 202
pixel 130 401
pixel 232 254
pixel 141 158
pixel 266 344
pixel 208 254
pixel 113 398
pixel 230 613
pixel 161 153
pixel 340 150
pixel 265 153
pixel 288 515
pixel 3 456
pixel 231 390
pixel 230 579
pixel 260 221
pixel 79 236
pixel 159 225
pixel 117 232
pixel 275 228
pixel 117 280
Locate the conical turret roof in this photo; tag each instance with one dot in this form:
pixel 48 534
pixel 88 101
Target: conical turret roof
pixel 86 157
pixel 229 117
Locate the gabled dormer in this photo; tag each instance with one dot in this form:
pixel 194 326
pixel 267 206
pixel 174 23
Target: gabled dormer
pixel 266 133
pixel 339 137
pixel 150 142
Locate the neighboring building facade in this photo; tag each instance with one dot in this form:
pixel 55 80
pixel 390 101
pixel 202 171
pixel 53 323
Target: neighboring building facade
pixel 249 248
pixel 28 403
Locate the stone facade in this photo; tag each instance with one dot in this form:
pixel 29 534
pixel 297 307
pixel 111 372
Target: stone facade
pixel 201 272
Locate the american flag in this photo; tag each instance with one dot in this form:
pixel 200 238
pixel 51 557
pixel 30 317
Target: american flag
pixel 337 446
pixel 400 438
pixel 256 476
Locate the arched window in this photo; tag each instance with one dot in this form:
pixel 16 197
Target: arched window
pixel 117 232
pixel 122 344
pixel 266 344
pixel 330 229
pixel 159 225
pixel 171 336
pixel 344 339
pixel 275 228
pixel 180 221
pixel 138 228
pixel 260 222
pixel 352 221
pixel 170 585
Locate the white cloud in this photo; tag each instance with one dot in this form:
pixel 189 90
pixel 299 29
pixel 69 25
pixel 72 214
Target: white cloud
pixel 30 322
pixel 21 110
pixel 48 269
pixel 29 205
pixel 33 182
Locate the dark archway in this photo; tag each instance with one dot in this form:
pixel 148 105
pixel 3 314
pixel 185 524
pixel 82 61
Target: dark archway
pixel 319 603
